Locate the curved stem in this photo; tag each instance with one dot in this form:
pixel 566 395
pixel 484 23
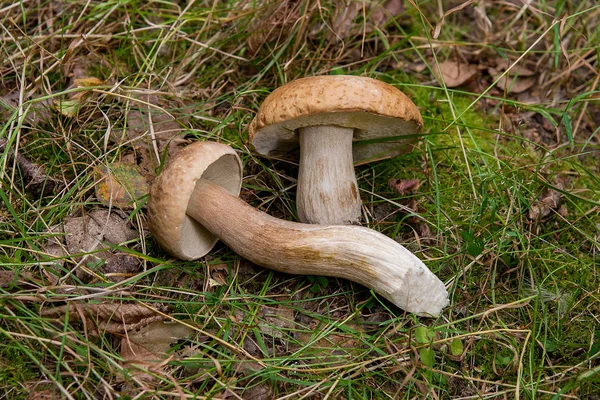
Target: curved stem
pixel 327 188
pixel 351 252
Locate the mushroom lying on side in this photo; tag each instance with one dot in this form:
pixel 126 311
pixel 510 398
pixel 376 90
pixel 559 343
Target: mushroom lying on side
pixel 325 116
pixel 193 203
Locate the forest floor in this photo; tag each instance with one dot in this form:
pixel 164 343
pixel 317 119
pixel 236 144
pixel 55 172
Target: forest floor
pixel 500 198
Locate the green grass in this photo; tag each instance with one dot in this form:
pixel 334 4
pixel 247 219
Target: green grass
pixel 523 319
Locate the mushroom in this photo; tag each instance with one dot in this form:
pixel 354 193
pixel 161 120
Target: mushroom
pixel 337 121
pixel 194 202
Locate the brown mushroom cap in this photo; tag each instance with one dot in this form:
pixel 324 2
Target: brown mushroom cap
pixel 374 109
pixel 174 231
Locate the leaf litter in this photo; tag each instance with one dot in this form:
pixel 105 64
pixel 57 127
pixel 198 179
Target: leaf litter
pixel 108 317
pixel 152 132
pixel 88 238
pixel 148 154
pixel 120 184
pixel 455 73
pixel 146 349
pixel 549 201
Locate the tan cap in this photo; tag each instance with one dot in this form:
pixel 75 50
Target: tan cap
pixel 175 231
pixel 375 109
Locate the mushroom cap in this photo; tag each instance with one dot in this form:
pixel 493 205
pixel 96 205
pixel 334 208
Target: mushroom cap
pixel 376 110
pixel 177 233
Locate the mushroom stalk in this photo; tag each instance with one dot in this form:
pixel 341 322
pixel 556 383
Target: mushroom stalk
pixel 327 188
pixel 351 252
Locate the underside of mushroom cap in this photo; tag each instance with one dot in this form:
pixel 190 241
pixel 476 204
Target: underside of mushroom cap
pixel 174 231
pixel 374 109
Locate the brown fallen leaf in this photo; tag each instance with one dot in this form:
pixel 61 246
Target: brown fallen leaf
pixel 37 111
pixel 148 120
pixel 514 84
pixel 218 275
pixel 547 202
pixel 71 105
pixel 106 317
pixel 405 186
pixel 455 73
pixel 343 20
pixel 154 126
pixel 272 321
pixel 88 81
pixel 259 392
pixel 383 13
pixel 146 348
pixel 120 185
pixel 334 347
pixel 156 338
pixel 82 66
pixel 89 233
pixel 502 65
pixel 120 266
pixel 517 80
pixel 10 279
pixel 278 321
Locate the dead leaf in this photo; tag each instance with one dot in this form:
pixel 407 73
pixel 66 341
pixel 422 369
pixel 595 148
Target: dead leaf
pixel 90 232
pixel 259 392
pixel 120 185
pixel 424 232
pixel 547 202
pixel 272 321
pixel 343 21
pixel 7 279
pixel 153 127
pixel 382 14
pixel 82 66
pixel 11 279
pixel 405 186
pixel 279 320
pixel 515 84
pixel 503 64
pixel 147 348
pixel 517 80
pixel 333 346
pixel 70 106
pixel 455 73
pixel 88 82
pixel 106 317
pixel 157 337
pixel 37 112
pixel 120 266
pixel 218 275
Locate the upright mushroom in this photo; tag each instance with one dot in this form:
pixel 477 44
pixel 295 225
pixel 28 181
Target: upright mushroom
pixel 194 202
pixel 337 121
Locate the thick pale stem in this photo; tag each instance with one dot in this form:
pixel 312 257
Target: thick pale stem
pixel 327 188
pixel 351 252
